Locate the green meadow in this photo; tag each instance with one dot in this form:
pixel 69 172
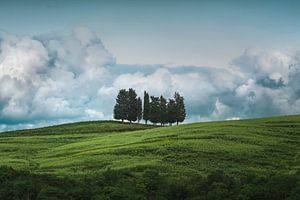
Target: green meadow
pixel 89 149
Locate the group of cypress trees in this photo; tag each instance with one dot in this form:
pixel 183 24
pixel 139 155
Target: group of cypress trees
pixel 155 109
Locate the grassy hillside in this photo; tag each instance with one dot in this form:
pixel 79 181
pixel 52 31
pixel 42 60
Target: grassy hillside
pixel 86 148
pixel 248 159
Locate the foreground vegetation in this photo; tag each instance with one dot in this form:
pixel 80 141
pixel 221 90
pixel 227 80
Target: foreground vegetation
pixel 123 184
pixel 247 159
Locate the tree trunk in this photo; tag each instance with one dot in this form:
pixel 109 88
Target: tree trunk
pixel 122 120
pixel 177 123
pixel 146 121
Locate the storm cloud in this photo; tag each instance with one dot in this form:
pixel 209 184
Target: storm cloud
pixel 54 78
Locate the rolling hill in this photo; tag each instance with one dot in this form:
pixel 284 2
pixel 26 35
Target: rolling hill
pixel 88 149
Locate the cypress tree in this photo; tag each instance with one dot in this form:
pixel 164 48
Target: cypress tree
pixel 162 110
pixel 146 113
pixel 171 112
pixel 139 109
pixel 180 108
pixel 132 105
pixel 121 109
pixel 154 110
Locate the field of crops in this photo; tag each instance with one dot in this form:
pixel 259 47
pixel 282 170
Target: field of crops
pixel 87 150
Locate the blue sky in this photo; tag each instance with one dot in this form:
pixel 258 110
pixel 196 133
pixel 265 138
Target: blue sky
pixel 206 33
pixel 64 61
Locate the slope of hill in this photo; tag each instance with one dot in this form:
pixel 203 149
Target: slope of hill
pixel 87 149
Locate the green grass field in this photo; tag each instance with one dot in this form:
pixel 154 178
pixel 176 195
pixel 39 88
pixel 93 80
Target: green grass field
pixel 88 148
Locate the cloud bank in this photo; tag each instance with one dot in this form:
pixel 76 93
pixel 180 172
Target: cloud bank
pixel 52 79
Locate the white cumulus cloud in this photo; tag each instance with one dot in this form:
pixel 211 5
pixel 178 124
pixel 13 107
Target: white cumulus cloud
pixel 52 79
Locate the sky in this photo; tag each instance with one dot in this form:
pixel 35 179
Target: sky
pixel 63 61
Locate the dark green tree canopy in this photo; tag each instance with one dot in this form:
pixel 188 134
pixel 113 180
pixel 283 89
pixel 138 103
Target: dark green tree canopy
pixel 139 109
pixel 180 108
pixel 154 109
pixel 132 105
pixel 163 113
pixel 171 111
pixel 121 109
pixel 126 107
pixel 146 112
